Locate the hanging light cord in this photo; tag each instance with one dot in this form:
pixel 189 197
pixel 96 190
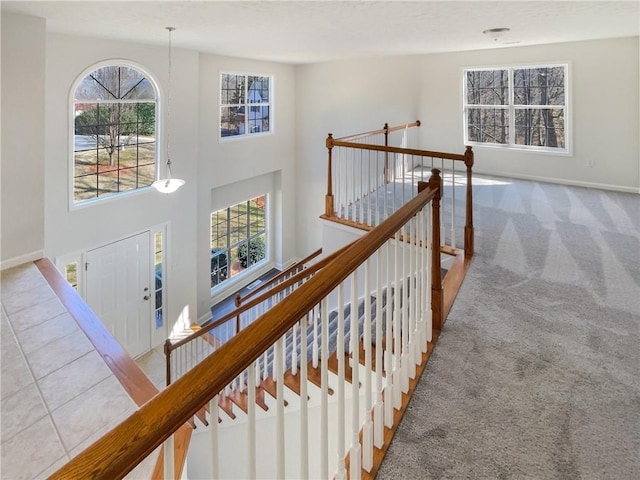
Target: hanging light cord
pixel 170 29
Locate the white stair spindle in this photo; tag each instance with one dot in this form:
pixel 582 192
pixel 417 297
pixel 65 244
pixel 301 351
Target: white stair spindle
pixel 251 423
pixel 355 453
pixel 280 433
pixel 304 412
pixel 294 350
pixel 341 472
pixel 405 310
pixel 378 420
pixel 367 428
pixel 213 436
pixel 324 382
pixel 453 203
pixel 397 297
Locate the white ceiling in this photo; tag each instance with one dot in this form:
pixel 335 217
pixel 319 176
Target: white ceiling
pixel 315 31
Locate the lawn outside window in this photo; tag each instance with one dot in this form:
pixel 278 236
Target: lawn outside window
pixel 518 107
pixel 114 125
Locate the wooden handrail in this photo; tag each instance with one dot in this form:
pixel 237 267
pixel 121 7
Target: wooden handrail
pixel 406 151
pixel 239 299
pixel 312 269
pixel 124 447
pixel 384 130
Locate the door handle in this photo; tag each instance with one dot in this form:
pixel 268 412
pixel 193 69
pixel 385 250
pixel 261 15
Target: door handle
pixel 146 297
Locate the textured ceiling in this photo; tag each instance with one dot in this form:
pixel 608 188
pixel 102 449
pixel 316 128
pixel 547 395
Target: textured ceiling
pixel 314 31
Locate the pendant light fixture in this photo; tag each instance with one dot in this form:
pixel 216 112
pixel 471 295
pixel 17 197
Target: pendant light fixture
pixel 168 184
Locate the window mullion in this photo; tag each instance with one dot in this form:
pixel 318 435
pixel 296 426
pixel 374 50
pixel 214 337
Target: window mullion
pixel 512 110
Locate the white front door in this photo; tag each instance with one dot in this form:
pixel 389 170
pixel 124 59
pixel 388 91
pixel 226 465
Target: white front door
pixel 118 291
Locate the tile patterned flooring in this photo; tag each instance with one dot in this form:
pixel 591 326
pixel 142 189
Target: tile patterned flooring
pixel 57 395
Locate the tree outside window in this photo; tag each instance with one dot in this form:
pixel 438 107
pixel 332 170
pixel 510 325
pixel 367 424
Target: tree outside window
pixel 114 134
pixel 245 104
pixel 521 107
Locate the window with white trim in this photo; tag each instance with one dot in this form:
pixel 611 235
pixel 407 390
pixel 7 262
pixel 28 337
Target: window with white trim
pixel 518 107
pixel 114 136
pixel 245 104
pixel 238 238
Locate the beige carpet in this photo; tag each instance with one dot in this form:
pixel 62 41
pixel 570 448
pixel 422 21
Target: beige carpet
pixel 537 373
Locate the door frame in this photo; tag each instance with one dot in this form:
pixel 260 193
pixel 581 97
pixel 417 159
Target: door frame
pixel 157 335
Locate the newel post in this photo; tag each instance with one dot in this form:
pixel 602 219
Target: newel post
pixel 437 296
pixel 468 226
pixel 167 354
pixel 328 199
pixel 387 175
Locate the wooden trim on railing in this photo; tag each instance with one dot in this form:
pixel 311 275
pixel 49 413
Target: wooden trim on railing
pixel 385 129
pixel 405 151
pixel 437 298
pixel 239 299
pixel 468 227
pixel 123 448
pixel 328 201
pixel 125 369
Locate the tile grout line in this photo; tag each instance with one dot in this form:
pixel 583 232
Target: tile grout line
pixel 44 403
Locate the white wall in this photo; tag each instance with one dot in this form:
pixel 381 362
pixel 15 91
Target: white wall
pixel 23 127
pixel 604 93
pixel 241 165
pixel 72 230
pixel 343 98
pixel 354 96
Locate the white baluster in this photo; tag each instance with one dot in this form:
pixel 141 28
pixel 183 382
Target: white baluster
pixel 367 428
pixel 324 385
pixel 315 350
pixel 413 297
pixel 378 419
pixel 341 472
pixel 251 420
pixel 213 436
pixel 294 350
pixel 397 345
pixel 404 327
pixel 355 454
pixel 304 414
pixel 453 203
pixel 280 445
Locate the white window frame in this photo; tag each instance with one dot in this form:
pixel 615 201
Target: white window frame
pixel 73 204
pixel 247 107
pixel 511 108
pixel 232 281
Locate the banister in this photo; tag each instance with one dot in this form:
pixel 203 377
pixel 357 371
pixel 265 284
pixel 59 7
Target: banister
pixel 406 151
pixel 169 347
pixel 125 446
pixel 239 299
pixel 468 226
pixel 386 129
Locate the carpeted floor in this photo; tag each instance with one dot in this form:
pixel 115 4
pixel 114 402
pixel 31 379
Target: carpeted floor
pixel 537 372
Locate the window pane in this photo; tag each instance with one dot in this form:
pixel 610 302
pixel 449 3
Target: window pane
pixel 540 127
pixel 488 87
pixel 488 125
pixel 538 86
pixel 113 139
pixel 231 121
pixel 232 89
pixel 71 274
pixel 259 119
pixel 258 91
pixel 219 266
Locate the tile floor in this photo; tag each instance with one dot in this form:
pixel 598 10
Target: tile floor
pixel 57 396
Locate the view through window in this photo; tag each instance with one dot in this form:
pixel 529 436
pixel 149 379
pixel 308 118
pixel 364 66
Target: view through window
pixel 522 107
pixel 245 104
pixel 114 141
pixel 238 238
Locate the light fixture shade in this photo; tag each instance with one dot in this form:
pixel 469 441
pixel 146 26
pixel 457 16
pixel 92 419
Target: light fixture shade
pixel 168 185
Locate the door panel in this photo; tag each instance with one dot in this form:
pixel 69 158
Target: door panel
pixel 118 291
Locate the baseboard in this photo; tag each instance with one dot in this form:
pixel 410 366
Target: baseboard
pixel 559 181
pixel 27 257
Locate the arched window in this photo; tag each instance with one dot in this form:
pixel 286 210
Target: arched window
pixel 114 138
